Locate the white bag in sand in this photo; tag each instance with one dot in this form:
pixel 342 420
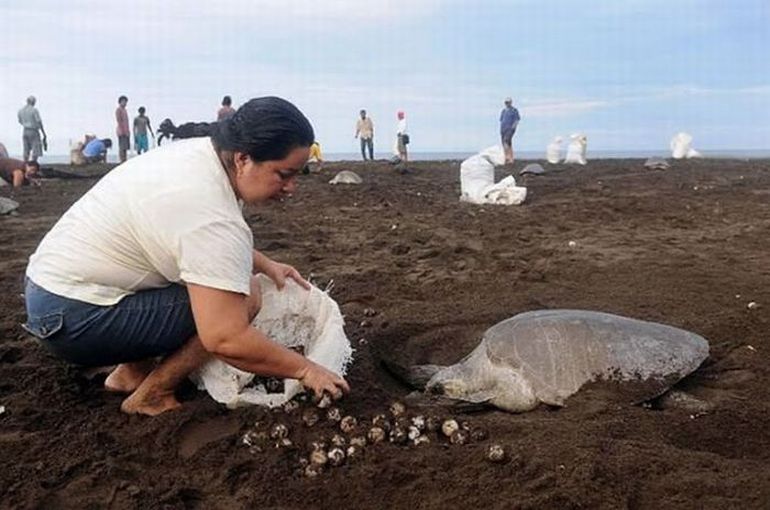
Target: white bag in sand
pixel 477 180
pixel 576 151
pixel 292 317
pixel 681 146
pixel 553 151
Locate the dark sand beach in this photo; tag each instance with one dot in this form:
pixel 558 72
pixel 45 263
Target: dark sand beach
pixel 688 247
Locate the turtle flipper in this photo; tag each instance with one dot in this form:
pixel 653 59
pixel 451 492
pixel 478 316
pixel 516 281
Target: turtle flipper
pixel 416 376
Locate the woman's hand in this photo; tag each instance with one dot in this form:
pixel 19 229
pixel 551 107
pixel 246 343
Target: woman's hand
pixel 279 272
pixel 320 380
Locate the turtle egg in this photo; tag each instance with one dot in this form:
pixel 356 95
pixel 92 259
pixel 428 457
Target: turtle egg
pixel 310 417
pixel 249 438
pixel 449 427
pixel 290 406
pixel 359 441
pixel 318 445
pixel 479 434
pixel 432 424
pixel 459 437
pixel 413 433
pixel 336 456
pixel 313 470
pixel 397 409
pixel 398 435
pixel 284 442
pixel 338 440
pixel 326 401
pixel 353 452
pixel 334 414
pixel 495 453
pixel 421 440
pixel 279 431
pixel 381 421
pixel 419 422
pixel 348 424
pixel 318 457
pixel 376 435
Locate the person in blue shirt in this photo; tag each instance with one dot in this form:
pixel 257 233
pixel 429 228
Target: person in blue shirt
pixel 96 150
pixel 509 120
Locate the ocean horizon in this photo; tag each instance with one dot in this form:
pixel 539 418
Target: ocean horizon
pixel 58 159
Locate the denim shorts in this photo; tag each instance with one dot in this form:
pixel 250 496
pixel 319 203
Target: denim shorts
pixel 149 323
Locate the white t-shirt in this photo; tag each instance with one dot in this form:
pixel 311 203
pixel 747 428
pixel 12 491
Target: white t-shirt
pixel 401 128
pixel 167 216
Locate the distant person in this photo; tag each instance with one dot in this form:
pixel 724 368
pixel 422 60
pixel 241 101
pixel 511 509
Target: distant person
pixel 95 151
pixel 365 130
pixel 123 131
pixel 402 136
pixel 509 120
pixel 18 173
pixel 227 109
pixel 29 118
pixel 315 159
pixel 141 128
pixel 3 151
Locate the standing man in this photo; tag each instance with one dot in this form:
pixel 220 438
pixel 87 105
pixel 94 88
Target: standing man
pixel 365 129
pixel 29 118
pixel 123 132
pixel 227 109
pixel 509 119
pixel 141 127
pixel 402 136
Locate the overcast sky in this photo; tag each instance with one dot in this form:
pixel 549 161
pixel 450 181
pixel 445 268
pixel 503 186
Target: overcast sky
pixel 628 73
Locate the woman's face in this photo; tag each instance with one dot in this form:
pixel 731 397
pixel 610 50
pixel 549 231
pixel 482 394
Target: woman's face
pixel 257 182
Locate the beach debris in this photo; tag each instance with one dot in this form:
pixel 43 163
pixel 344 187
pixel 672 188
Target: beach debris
pixel 348 424
pixel 553 150
pixel 656 163
pixel 7 205
pixel 495 453
pixel 346 177
pixel 576 151
pixel 477 180
pixel 449 427
pixel 513 370
pixel 532 169
pixel 753 305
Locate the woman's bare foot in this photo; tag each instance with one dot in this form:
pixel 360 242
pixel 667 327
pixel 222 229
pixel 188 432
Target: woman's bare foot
pixel 128 376
pixel 150 404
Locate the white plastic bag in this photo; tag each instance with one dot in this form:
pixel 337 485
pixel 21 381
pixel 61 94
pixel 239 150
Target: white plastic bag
pixel 553 151
pixel 292 317
pixel 576 151
pixel 477 180
pixel 681 146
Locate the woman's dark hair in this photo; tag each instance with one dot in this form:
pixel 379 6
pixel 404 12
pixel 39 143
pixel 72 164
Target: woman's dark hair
pixel 265 128
pixel 227 101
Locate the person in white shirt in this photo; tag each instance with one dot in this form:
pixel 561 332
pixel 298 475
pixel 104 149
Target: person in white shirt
pixel 157 260
pixel 402 136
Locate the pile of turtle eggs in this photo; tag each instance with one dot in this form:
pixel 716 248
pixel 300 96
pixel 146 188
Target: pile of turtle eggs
pixel 352 435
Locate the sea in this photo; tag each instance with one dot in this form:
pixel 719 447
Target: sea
pixel 522 155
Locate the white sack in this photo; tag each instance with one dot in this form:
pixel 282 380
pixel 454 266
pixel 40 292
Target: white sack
pixel 681 147
pixel 291 317
pixel 477 180
pixel 553 151
pixel 576 151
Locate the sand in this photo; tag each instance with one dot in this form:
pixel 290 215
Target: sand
pixel 688 247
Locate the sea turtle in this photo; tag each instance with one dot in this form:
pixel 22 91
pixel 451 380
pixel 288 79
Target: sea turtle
pixel 533 169
pixel 656 163
pixel 7 205
pixel 548 355
pixel 346 177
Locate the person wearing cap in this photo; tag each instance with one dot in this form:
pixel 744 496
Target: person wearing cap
pixel 509 120
pixel 30 120
pixel 153 268
pixel 402 136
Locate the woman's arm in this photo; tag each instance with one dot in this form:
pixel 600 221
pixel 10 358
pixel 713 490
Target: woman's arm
pixel 276 271
pixel 222 321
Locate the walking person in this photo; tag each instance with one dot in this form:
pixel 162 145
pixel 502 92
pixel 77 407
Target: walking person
pixel 509 120
pixel 227 109
pixel 30 120
pixel 123 131
pixel 365 131
pixel 402 136
pixel 141 128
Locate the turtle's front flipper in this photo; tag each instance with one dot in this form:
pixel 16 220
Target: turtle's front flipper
pixel 416 376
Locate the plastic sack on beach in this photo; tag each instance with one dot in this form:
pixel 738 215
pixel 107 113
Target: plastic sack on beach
pixel 553 151
pixel 681 146
pixel 477 180
pixel 293 317
pixel 576 151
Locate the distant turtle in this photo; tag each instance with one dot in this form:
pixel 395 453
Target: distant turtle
pixel 547 356
pixel 346 177
pixel 656 163
pixel 533 169
pixel 7 205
